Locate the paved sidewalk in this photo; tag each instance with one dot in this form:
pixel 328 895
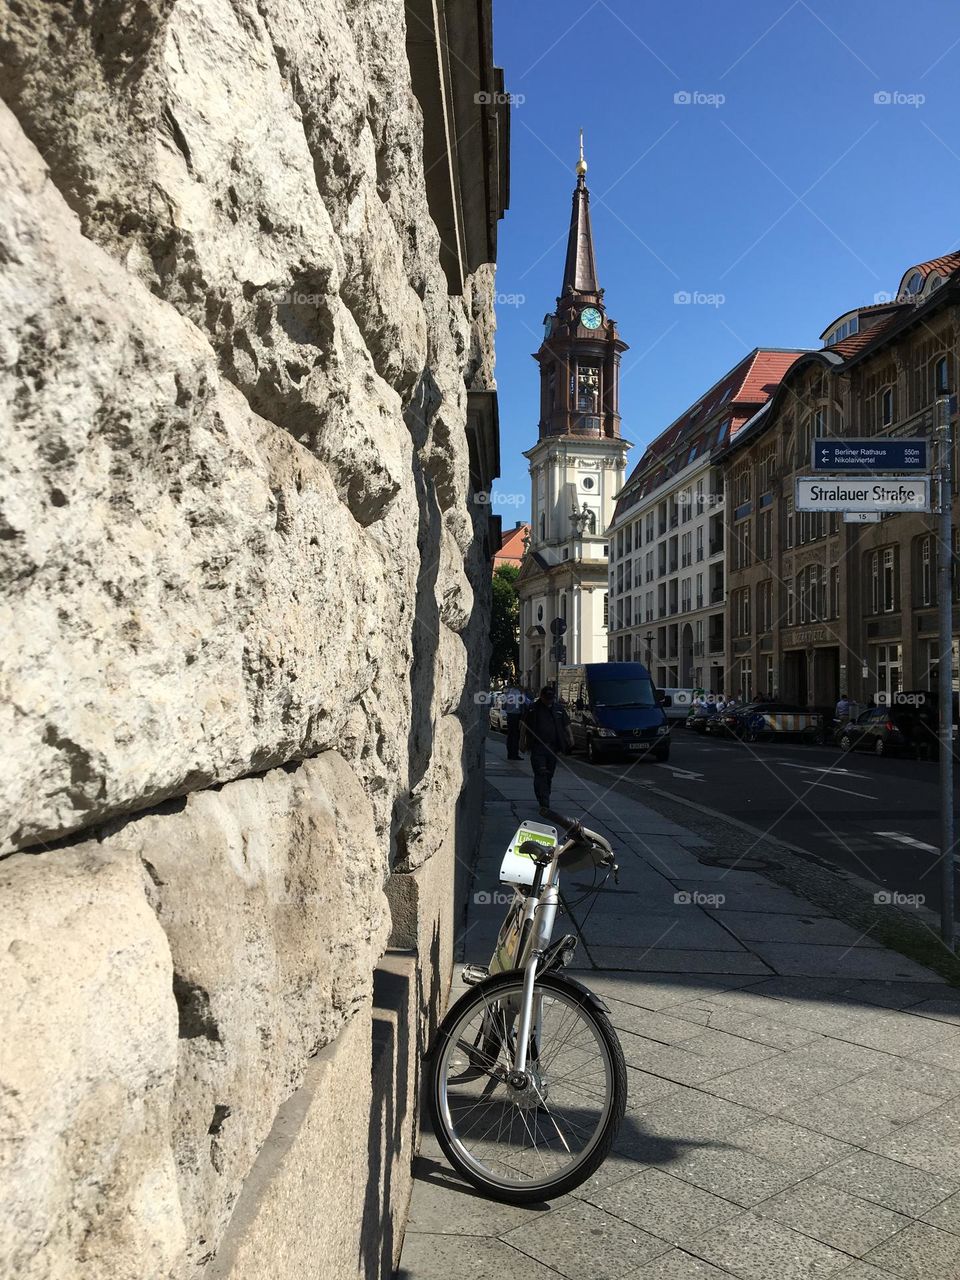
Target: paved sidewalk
pixel 794 1091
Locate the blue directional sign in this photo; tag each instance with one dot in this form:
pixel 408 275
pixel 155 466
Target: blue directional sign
pixel 843 453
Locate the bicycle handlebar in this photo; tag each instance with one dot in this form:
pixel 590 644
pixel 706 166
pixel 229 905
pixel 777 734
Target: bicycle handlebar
pixel 569 825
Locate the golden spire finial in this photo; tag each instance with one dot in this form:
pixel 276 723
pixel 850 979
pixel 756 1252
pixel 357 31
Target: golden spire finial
pixel 581 163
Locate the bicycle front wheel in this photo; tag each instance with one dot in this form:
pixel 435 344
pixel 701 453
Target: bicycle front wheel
pixel 537 1142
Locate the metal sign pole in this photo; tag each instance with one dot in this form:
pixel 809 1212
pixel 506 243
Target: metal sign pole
pixel 945 667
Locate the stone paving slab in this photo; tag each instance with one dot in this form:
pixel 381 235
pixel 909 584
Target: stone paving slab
pixel 794 1107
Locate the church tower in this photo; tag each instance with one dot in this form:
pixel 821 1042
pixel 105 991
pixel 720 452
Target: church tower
pixel 576 467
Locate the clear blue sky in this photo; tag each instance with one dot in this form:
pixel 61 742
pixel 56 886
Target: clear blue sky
pixel 796 198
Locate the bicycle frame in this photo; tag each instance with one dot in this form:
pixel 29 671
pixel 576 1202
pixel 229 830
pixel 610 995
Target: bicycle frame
pixel 524 937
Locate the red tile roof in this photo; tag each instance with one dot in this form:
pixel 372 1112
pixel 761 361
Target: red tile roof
pixel 943 266
pixel 511 546
pixel 730 402
pixel 848 347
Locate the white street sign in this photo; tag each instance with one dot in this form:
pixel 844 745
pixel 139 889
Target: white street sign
pixel 862 517
pixel 862 493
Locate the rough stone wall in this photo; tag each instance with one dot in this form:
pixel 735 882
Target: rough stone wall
pixel 242 593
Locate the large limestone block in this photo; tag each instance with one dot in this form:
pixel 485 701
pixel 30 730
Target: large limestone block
pixel 86 1073
pixel 270 894
pixel 184 597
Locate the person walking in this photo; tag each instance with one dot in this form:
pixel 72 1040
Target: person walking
pixel 843 708
pixel 545 731
pixel 514 704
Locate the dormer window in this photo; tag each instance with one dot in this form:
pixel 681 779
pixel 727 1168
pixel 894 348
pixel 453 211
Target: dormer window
pixel 850 325
pixel 914 284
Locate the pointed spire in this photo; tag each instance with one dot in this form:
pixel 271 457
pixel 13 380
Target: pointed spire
pixel 580 271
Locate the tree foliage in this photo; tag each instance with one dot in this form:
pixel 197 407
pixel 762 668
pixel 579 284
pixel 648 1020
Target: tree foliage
pixel 505 624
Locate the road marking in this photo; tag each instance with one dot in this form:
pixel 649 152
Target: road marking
pixel 686 774
pixel 825 786
pixel 902 838
pixel 819 768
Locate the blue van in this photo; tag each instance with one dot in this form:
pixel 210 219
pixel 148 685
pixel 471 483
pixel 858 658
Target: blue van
pixel 614 710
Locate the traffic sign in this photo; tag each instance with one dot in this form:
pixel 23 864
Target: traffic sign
pixel 862 493
pixel 862 517
pixel 869 454
pixel 558 626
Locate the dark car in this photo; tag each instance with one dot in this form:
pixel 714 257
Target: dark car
pixel 614 710
pixel 761 719
pixel 907 724
pixel 698 717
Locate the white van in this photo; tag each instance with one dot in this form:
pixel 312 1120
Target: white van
pixel 676 703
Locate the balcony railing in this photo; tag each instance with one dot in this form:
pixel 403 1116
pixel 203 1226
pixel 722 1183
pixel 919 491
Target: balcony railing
pixel 716 644
pixel 698 648
pixel 716 545
pixel 716 595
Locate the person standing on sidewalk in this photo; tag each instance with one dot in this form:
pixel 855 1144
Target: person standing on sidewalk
pixel 545 731
pixel 514 705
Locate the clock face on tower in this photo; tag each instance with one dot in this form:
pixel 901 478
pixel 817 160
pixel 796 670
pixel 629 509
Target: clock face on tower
pixel 591 318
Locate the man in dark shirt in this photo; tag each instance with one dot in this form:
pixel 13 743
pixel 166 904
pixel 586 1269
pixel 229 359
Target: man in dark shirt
pixel 545 732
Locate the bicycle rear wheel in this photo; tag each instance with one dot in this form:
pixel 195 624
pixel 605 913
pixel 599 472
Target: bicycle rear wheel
pixel 535 1143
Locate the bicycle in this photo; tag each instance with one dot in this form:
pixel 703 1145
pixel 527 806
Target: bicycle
pixel 526 1068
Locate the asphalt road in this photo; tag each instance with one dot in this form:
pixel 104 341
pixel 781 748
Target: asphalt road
pixel 877 818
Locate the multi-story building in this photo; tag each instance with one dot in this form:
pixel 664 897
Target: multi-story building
pixel 818 606
pixel 667 558
pixel 576 468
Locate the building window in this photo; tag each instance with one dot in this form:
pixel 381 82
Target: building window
pixel 941 377
pixel 606 609
pixel 886 407
pixel 791 609
pixel 788 523
pixel 764 607
pixel 741 545
pixel 889 663
pixel 765 535
pixel 926 570
pixel 835 591
pixel 766 675
pixel 742 614
pixel 543 526
pixel 883 581
pixel 746 679
pixel 700 542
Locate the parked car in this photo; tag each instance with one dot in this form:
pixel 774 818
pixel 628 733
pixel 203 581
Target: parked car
pixel 908 725
pixel 761 719
pixel 676 703
pixel 613 710
pixel 697 717
pixel 498 716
